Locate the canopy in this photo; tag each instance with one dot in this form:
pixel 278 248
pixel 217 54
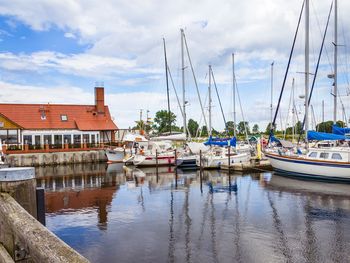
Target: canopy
pixel 338 130
pixel 221 141
pixel 323 136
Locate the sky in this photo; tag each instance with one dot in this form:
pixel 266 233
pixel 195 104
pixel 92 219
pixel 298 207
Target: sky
pixel 56 51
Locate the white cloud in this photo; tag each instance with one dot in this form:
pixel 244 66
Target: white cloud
pixel 69 35
pixel 124 39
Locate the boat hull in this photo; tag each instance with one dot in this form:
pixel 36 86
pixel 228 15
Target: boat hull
pixel 217 161
pixel 151 160
pixel 115 156
pixel 311 169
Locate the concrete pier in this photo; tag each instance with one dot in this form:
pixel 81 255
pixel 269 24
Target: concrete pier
pixel 53 158
pixel 253 165
pixel 22 237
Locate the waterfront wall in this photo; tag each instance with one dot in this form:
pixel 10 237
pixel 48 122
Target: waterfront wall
pixel 22 237
pixel 53 158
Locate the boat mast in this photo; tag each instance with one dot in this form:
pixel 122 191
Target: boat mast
pixel 271 108
pixel 167 85
pixel 293 113
pixel 183 82
pixel 335 60
pixel 306 70
pixel 234 94
pixel 209 97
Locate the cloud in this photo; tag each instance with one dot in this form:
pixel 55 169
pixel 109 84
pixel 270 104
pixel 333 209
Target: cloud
pixel 69 35
pixel 124 44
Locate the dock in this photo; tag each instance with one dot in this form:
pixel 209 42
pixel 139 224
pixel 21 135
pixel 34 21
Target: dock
pixel 22 237
pixel 253 166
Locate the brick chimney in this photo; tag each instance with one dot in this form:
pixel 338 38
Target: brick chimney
pixel 100 100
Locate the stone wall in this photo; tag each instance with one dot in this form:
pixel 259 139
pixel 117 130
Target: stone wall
pixel 42 159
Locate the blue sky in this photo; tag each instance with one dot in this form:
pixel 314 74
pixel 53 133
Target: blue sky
pixel 55 51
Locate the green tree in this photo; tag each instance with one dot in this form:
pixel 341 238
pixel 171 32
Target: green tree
pixel 255 128
pixel 327 126
pixel 192 127
pixel 268 128
pixel 204 131
pixel 161 121
pixel 142 125
pixel 230 126
pixel 241 128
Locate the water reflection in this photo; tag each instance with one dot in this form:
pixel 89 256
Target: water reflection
pixel 115 212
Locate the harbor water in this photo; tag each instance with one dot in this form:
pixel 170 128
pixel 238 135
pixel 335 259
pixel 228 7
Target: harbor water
pixel 110 213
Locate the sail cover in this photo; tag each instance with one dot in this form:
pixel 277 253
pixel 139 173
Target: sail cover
pixel 221 141
pixel 338 130
pixel 323 136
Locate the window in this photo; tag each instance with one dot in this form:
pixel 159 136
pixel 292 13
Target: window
pixel 47 139
pixel 85 138
pixel 336 156
pixel 12 136
pixel 67 138
pixel 77 138
pixel 64 117
pixel 27 139
pixel 313 155
pixel 57 139
pixel 37 139
pixel 324 155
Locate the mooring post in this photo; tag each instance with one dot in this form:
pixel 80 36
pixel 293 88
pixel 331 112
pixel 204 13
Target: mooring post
pixel 200 159
pixel 157 164
pixel 40 201
pixel 229 159
pixel 175 158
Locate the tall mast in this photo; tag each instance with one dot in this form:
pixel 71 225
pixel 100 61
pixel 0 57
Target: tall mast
pixel 209 96
pixel 306 70
pixel 234 94
pixel 271 107
pixel 183 81
pixel 293 113
pixel 335 60
pixel 167 86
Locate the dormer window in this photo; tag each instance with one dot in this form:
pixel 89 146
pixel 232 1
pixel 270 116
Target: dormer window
pixel 64 118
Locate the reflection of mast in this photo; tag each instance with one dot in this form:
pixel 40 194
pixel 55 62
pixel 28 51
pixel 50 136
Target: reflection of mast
pixel 188 223
pixel 171 249
pixel 310 251
pixel 283 246
pixel 213 229
pixel 237 230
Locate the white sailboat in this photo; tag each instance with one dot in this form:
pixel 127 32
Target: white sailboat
pixel 156 153
pixel 131 143
pixel 331 163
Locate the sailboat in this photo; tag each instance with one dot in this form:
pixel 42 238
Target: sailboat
pixel 331 163
pixel 221 151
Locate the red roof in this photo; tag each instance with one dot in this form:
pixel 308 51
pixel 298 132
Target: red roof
pixel 49 116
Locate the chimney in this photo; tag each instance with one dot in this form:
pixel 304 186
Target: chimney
pixel 100 100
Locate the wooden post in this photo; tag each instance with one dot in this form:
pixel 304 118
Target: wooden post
pixel 175 158
pixel 157 164
pixel 229 159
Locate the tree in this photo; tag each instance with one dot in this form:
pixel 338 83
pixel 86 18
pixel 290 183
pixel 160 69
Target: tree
pixel 327 126
pixel 242 126
pixel 142 125
pixel 192 127
pixel 268 128
pixel 161 121
pixel 204 131
pixel 255 128
pixel 230 127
